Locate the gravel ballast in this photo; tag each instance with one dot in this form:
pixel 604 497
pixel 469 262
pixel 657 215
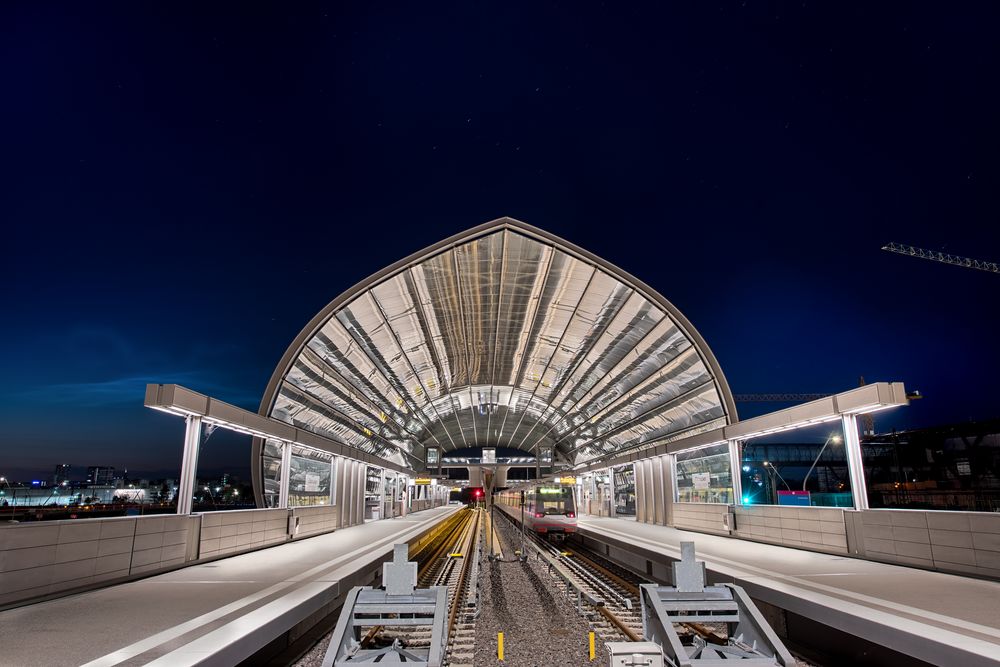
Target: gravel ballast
pixel 540 625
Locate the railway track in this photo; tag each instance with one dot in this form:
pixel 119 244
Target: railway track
pixel 451 561
pixel 608 599
pixel 462 580
pixel 450 558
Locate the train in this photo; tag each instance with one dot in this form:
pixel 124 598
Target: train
pixel 549 510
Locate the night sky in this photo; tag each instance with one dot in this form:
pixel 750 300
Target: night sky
pixel 184 186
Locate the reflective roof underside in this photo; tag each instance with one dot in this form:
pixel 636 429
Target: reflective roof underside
pixel 505 338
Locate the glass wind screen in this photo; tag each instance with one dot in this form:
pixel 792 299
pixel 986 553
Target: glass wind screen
pixel 624 490
pixel 949 468
pixel 705 475
pixel 310 478
pixel 804 467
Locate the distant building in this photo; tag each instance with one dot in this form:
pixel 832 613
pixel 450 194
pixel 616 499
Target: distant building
pixel 61 474
pixel 101 476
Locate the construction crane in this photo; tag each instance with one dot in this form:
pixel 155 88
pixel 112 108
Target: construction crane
pixel 797 398
pixel 933 255
pixel 780 398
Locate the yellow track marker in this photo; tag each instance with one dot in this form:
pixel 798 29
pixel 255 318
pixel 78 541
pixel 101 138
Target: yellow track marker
pixel 591 646
pixel 500 646
pixel 454 555
pixel 565 553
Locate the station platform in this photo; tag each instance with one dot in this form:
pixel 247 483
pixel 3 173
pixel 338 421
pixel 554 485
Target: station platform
pixel 937 618
pixel 204 614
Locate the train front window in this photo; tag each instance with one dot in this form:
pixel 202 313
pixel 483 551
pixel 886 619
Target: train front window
pixel 549 501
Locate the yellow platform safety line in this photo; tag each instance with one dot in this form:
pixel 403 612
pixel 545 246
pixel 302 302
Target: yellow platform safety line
pixel 499 646
pixel 591 646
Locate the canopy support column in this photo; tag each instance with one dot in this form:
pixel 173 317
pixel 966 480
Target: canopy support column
pixel 189 464
pixel 286 471
pixel 855 464
pixel 737 468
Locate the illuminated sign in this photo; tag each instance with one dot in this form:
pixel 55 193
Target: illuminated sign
pixel 489 456
pixel 432 456
pixel 422 481
pixel 550 490
pixel 567 480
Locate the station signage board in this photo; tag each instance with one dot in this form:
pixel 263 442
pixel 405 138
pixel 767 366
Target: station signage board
pixel 422 481
pixel 312 482
pixel 702 480
pixel 567 480
pixel 794 498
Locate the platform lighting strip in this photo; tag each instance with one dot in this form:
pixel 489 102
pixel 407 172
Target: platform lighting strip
pixel 789 427
pixel 241 429
pixel 867 408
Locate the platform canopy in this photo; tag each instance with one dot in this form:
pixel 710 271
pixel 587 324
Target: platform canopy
pixel 502 336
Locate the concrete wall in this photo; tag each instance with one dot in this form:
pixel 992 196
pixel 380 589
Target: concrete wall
pixel 39 559
pixel 230 532
pixel 959 542
pixel 703 517
pixel 315 520
pixel 813 528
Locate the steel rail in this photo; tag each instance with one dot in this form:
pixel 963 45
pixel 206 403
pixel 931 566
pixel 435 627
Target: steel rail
pixel 467 556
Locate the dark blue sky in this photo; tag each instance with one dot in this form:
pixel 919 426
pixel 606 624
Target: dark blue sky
pixel 184 185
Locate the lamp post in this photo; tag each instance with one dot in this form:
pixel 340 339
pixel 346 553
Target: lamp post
pixel 774 471
pixel 212 496
pixel 55 493
pixel 834 438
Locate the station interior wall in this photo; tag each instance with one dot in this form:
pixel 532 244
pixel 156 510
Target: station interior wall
pixel 52 558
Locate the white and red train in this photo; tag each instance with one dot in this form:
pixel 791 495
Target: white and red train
pixel 549 510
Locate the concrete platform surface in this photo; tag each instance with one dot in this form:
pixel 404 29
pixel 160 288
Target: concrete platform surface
pixel 936 617
pixel 139 621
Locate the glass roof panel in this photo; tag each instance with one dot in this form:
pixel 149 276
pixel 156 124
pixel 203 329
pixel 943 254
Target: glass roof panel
pixel 506 337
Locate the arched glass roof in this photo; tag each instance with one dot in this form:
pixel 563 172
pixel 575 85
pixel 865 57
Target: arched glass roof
pixel 500 336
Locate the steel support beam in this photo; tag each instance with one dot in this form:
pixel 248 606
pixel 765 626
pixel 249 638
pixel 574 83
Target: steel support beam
pixel 855 464
pixel 189 464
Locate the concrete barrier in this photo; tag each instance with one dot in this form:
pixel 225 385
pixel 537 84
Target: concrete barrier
pixel 47 558
pixel 702 517
pixel 234 531
pixel 51 558
pixel 314 520
pixel 812 528
pixel 957 542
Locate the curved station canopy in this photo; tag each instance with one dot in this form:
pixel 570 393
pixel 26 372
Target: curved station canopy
pixel 502 336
